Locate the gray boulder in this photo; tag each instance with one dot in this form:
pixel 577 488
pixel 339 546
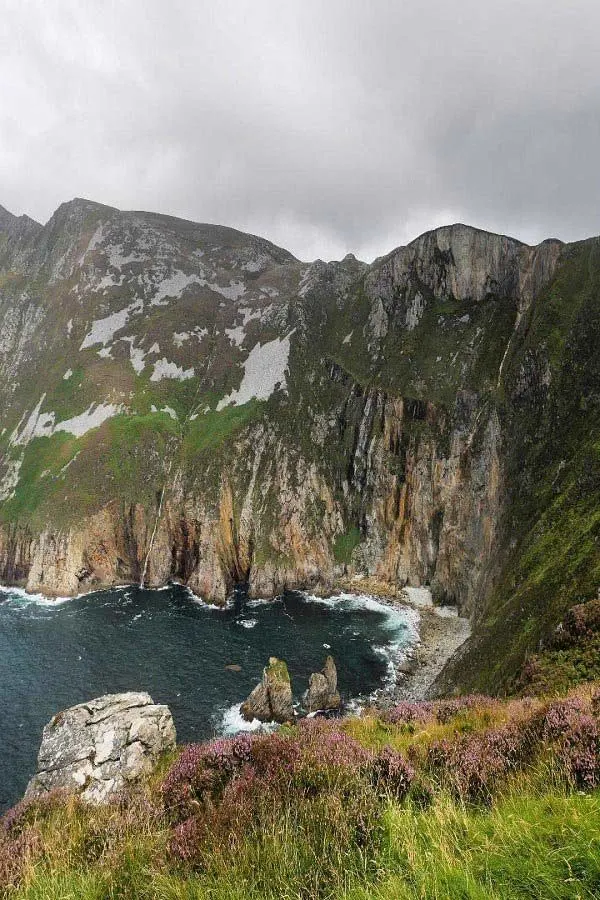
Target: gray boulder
pixel 97 748
pixel 271 700
pixel 322 690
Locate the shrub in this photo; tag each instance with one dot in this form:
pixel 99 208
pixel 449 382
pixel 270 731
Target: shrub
pixel 391 773
pixel 407 713
pixel 473 765
pixel 15 852
pixel 570 725
pixel 580 621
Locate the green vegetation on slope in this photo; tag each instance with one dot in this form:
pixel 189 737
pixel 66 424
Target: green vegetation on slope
pixel 473 799
pixel 551 412
pixel 345 544
pixel 41 475
pixel 211 428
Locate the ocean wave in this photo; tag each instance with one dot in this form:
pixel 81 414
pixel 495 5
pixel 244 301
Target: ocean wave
pixel 402 623
pixel 232 722
pixel 262 601
pixel 24 598
pixel 199 601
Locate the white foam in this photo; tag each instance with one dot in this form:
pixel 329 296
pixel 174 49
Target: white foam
pixel 199 601
pixel 401 623
pixel 247 623
pixel 263 601
pixel 24 598
pixel 233 722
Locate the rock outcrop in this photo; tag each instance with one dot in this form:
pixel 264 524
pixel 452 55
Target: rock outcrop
pixel 97 748
pixel 271 700
pixel 322 693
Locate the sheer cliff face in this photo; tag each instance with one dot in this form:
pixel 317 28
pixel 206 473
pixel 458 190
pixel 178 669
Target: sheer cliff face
pixel 187 402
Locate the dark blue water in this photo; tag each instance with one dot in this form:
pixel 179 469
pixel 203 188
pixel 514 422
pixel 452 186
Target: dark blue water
pixel 165 642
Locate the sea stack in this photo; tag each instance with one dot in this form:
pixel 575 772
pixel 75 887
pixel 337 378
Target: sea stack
pixel 271 699
pixel 322 693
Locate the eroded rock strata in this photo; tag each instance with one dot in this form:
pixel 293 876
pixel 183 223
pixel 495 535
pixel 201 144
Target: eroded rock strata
pixel 186 402
pixel 97 748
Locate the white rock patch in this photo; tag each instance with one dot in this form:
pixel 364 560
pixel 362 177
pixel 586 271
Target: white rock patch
pixel 264 371
pixel 37 425
pixel 173 287
pixel 236 335
pixel 67 374
pixel 91 418
pixel 233 291
pixel 136 355
pixel 163 368
pixel 41 424
pixel 103 330
pixel 10 479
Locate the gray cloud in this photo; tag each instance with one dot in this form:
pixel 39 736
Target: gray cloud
pixel 326 125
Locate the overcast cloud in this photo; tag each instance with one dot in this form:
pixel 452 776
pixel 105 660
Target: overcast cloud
pixel 327 126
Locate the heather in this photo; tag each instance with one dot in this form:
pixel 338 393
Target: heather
pixel 470 797
pixel 569 656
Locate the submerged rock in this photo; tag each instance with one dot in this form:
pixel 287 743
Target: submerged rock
pixel 271 699
pixel 322 690
pixel 98 747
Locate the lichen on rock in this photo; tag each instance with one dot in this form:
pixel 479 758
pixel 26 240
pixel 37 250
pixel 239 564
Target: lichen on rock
pixel 271 700
pixel 322 693
pixel 97 748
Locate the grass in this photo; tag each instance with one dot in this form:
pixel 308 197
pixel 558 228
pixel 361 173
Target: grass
pixel 41 474
pixel 328 810
pixel 345 544
pixel 529 846
pixel 211 429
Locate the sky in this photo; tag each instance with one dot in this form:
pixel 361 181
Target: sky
pixel 327 126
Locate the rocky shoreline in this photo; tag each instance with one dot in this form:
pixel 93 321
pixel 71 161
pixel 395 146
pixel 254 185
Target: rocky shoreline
pixel 441 634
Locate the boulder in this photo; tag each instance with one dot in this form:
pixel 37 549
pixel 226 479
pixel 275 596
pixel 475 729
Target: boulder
pixel 96 748
pixel 271 699
pixel 322 690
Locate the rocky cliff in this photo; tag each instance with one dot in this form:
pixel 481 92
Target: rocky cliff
pixel 185 402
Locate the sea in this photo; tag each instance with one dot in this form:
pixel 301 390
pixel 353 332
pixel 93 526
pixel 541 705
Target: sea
pixel 202 661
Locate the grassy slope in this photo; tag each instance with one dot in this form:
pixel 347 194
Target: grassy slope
pixel 321 831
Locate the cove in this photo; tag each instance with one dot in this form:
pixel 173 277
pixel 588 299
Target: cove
pixel 56 654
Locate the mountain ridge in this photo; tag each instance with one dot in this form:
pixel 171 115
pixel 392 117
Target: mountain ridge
pixel 183 401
